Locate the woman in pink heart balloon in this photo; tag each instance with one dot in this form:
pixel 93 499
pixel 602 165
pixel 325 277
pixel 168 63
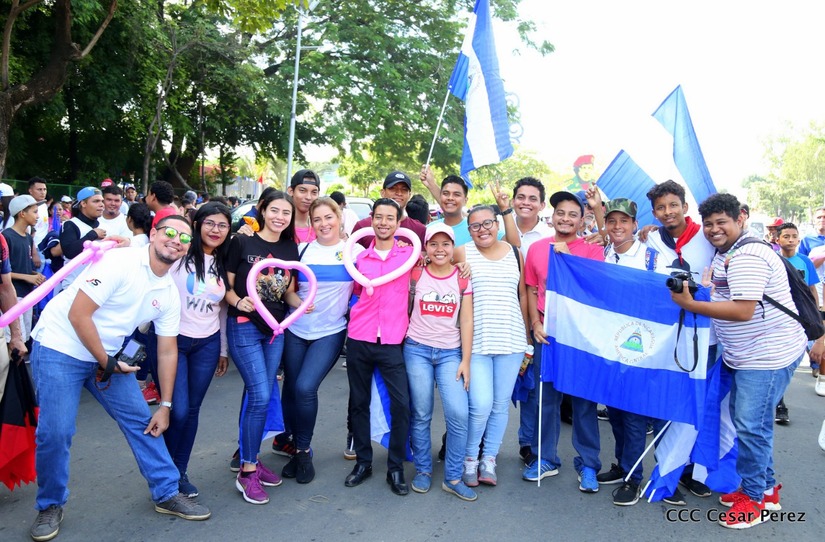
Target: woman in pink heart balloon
pixel 499 340
pixel 312 343
pixel 201 280
pixel 254 350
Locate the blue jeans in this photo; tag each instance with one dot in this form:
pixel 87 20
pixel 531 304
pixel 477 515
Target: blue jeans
pixel 59 380
pixel 585 426
pixel 306 364
pixel 197 361
pixel 257 357
pixel 492 378
pixel 753 399
pixel 426 365
pixel 630 434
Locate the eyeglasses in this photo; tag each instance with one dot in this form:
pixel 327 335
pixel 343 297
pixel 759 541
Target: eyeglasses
pixel 211 225
pixel 171 233
pixel 487 224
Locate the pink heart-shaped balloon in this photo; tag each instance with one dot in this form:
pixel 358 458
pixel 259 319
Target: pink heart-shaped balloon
pixel 370 284
pixel 252 292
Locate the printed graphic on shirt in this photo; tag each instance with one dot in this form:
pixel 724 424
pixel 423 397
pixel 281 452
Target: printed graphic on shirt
pixel 431 304
pixel 203 296
pixel 271 283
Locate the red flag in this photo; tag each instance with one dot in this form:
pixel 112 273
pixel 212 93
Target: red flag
pixel 261 179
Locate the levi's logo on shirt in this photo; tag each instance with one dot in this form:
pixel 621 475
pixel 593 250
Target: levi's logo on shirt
pixel 431 304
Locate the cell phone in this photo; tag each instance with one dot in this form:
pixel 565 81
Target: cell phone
pixel 133 353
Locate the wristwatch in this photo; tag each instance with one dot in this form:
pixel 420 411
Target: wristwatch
pixel 167 404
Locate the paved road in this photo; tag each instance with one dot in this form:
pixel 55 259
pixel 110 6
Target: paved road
pixel 110 500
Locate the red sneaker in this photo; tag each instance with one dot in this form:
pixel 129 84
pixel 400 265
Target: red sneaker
pixel 744 513
pixel 150 394
pixel 771 502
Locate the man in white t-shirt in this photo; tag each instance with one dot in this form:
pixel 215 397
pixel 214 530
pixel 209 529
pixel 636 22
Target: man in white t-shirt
pixel 762 347
pixel 113 221
pixel 78 344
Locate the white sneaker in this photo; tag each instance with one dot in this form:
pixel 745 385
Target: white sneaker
pixel 822 436
pixel 820 386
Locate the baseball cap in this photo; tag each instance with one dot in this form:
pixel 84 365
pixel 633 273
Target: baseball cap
pixel 127 186
pixel 775 222
pixel 438 227
pixel 622 205
pixel 87 192
pixel 19 203
pixel 6 190
pixel 563 195
pixel 66 199
pixel 163 213
pixel 397 177
pixel 106 182
pixel 304 176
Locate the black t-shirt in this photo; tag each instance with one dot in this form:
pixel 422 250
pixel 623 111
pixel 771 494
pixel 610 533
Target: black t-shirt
pixel 20 258
pixel 244 252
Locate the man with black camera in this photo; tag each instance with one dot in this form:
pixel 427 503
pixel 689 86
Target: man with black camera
pixel 762 347
pixel 78 343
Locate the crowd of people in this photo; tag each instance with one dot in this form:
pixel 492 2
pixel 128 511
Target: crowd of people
pixel 171 304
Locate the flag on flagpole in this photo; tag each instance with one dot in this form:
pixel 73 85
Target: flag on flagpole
pixel 712 449
pixel 476 81
pixel 623 178
pixel 673 114
pixel 261 179
pixel 613 333
pixel 380 418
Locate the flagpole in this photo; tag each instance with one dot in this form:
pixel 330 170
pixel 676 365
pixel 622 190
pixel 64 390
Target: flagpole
pixel 538 463
pixel 438 126
pixel 647 450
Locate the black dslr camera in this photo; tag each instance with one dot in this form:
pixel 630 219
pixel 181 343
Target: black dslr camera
pixel 677 278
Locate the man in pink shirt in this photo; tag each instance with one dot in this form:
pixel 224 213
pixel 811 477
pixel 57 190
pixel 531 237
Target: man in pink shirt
pixel 377 327
pixel 568 218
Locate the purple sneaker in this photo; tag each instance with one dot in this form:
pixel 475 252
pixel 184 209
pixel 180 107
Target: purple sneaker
pixel 267 477
pixel 250 487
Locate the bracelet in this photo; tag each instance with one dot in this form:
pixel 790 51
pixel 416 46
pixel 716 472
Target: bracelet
pixel 238 302
pixel 506 212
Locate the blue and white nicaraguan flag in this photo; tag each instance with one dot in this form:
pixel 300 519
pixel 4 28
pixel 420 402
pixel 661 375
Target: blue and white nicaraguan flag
pixel 612 332
pixel 712 449
pixel 380 417
pixel 476 81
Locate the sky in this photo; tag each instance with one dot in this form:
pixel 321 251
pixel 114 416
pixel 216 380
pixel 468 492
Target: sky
pixel 747 70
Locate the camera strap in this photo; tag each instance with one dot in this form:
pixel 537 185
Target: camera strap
pixel 695 343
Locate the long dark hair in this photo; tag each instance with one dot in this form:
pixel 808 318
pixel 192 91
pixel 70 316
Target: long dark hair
pixel 266 198
pixel 195 257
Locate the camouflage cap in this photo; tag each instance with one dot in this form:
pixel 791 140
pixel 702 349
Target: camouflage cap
pixel 622 205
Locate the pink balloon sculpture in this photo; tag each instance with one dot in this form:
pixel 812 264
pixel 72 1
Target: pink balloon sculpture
pixel 252 292
pixel 370 284
pixel 92 251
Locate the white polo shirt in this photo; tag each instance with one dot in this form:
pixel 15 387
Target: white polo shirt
pixel 539 231
pixel 128 294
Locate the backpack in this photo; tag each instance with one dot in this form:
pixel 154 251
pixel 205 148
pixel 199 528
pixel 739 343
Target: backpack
pixel 809 316
pixel 416 274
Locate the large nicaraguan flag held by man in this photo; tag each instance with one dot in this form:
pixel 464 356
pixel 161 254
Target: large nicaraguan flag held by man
pixel 476 81
pixel 612 332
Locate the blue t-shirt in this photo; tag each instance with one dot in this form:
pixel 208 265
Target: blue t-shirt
pixel 809 243
pixel 804 264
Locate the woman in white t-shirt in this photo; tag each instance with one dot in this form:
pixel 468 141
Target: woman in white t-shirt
pixel 437 349
pixel 312 343
pixel 499 340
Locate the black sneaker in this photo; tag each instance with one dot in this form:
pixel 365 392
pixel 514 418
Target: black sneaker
pixel 603 415
pixel 305 471
pixel 184 508
pixel 614 476
pixel 235 462
pixel 47 524
pixel 283 446
pixel 626 495
pixel 526 455
pixel 677 499
pixel 290 470
pixel 697 488
pixel 782 417
pixel 442 453
pixel 649 429
pixel 186 487
pixel 349 451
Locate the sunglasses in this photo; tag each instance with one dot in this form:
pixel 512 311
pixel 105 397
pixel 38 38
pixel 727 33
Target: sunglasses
pixel 171 233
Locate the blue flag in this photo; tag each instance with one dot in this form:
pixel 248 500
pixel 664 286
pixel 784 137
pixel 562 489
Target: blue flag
pixel 623 178
pixel 380 417
pixel 674 116
pixel 476 81
pixel 613 331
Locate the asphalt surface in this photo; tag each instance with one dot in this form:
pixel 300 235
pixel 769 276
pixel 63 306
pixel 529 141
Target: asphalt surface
pixel 110 500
